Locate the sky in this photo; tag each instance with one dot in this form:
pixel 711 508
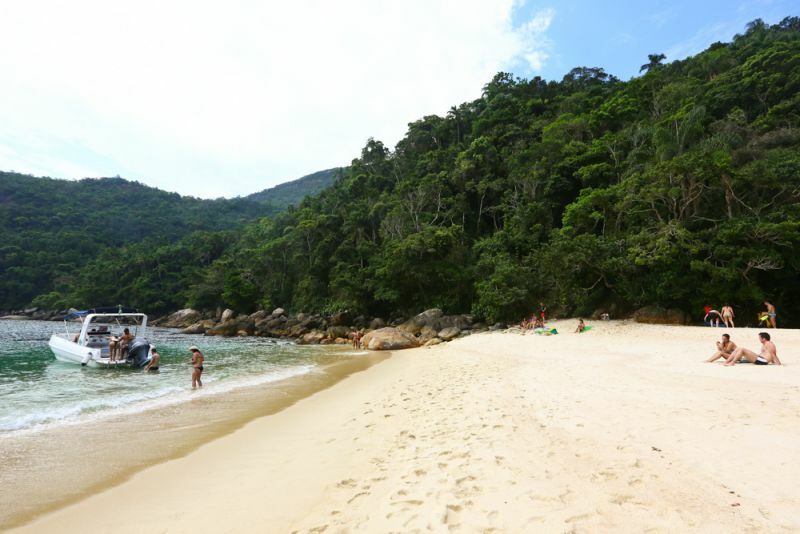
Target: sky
pixel 227 98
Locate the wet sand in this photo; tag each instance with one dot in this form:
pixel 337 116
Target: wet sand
pixel 623 428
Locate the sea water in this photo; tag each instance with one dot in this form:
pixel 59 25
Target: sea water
pixel 37 391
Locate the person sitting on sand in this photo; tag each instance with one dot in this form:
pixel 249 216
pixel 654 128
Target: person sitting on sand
pixel 768 355
pixel 155 359
pixel 727 316
pixel 724 349
pixel 538 323
pixel 581 326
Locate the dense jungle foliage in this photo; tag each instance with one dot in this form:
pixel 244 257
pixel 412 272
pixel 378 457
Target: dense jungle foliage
pixel 292 193
pixel 678 188
pixel 50 228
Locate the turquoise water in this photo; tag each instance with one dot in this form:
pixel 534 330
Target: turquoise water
pixel 37 391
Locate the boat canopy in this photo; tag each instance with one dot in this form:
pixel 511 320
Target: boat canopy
pixel 101 310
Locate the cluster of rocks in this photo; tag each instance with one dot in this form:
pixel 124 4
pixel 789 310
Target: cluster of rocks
pixel 428 328
pixel 33 314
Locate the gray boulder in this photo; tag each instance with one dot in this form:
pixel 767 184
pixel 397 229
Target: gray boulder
pixel 338 331
pixel 449 333
pixel 227 315
pixel 376 323
pixel 199 327
pixel 243 326
pixel 311 338
pixel 426 332
pixel 389 338
pixel 257 316
pixel 278 312
pixel 431 318
pixel 182 318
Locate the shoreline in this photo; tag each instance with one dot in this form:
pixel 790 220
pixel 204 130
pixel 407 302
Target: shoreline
pixel 78 464
pixel 623 427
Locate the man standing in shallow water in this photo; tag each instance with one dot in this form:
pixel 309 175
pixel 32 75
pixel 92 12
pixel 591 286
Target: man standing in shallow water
pixel 197 364
pixel 769 353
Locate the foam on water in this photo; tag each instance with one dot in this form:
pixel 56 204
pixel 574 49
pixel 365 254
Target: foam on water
pixel 37 392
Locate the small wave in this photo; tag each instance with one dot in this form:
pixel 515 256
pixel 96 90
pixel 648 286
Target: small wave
pixel 100 408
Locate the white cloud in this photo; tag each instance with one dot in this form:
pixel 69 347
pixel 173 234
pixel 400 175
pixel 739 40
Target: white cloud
pixel 227 98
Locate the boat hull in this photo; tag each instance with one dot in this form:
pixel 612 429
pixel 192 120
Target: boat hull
pixel 67 351
pixel 70 352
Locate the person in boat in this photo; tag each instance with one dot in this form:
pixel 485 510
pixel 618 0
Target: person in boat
pixel 197 365
pixel 124 341
pixel 725 348
pixel 113 347
pixel 155 360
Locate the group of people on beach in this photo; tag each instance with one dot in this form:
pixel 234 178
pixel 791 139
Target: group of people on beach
pixel 724 317
pixel 732 354
pixel 197 364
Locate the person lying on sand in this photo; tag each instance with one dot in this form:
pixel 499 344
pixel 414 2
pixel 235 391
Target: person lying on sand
pixel 769 353
pixel 724 349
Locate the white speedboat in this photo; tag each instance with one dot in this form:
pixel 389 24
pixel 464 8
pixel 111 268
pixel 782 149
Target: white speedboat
pixel 97 343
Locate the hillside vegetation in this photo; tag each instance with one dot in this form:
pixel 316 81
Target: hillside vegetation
pixel 292 193
pixel 678 188
pixel 50 228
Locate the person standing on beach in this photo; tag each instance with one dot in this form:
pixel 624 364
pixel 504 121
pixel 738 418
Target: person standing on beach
pixel 772 314
pixel 724 349
pixel 712 318
pixel 727 316
pixel 542 311
pixel 197 364
pixel 768 355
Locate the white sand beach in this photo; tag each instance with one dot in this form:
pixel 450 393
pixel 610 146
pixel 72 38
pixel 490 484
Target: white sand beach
pixel 622 428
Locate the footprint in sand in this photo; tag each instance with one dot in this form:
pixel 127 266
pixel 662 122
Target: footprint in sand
pixel 356 496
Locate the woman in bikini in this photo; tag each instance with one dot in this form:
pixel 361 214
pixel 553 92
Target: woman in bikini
pixel 727 316
pixel 197 364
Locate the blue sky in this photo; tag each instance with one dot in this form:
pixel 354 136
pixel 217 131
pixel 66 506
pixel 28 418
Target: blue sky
pixel 618 35
pixel 216 98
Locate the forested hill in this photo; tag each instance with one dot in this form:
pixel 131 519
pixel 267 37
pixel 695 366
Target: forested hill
pixel 292 193
pixel 678 188
pixel 49 227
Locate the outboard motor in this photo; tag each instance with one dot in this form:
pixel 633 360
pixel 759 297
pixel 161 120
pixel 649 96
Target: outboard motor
pixel 139 352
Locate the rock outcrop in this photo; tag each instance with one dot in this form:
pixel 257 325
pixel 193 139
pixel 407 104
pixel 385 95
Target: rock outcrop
pixel 389 338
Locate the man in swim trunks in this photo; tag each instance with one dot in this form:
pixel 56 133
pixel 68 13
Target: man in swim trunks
pixel 772 314
pixel 124 341
pixel 197 365
pixel 724 349
pixel 769 353
pixel 155 360
pixel 727 316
